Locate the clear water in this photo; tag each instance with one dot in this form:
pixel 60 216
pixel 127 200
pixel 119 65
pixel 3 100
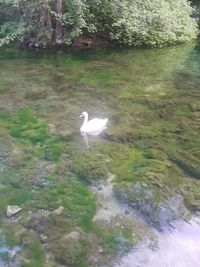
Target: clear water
pixel 178 247
pixel 135 179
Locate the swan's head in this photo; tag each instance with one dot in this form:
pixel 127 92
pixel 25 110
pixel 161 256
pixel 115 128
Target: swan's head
pixel 83 114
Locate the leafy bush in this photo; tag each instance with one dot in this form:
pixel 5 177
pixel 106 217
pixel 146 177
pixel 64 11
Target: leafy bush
pixel 129 22
pixel 153 23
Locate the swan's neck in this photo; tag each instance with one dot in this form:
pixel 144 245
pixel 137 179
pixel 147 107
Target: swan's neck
pixel 85 120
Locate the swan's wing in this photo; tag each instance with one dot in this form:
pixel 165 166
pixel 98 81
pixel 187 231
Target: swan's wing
pixel 97 132
pixel 96 124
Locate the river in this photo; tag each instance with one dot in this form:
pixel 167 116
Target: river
pixel 128 197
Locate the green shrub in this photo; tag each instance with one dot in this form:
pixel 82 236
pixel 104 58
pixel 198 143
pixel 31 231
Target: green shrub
pixel 129 22
pixel 153 23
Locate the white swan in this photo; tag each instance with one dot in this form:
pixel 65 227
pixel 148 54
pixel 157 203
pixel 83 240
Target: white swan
pixel 94 126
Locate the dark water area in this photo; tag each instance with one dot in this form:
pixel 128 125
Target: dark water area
pixel 124 198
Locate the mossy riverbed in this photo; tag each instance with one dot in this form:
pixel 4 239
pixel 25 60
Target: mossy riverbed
pixel 151 150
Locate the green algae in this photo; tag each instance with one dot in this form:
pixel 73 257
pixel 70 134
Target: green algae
pixel 10 195
pixel 71 252
pixel 87 166
pixel 35 255
pixel 118 239
pixel 10 240
pixel 25 127
pixel 73 195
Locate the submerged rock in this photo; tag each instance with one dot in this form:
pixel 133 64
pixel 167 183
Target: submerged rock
pixel 158 210
pixel 52 129
pixel 12 210
pixel 74 235
pixel 70 249
pixel 45 227
pixel 59 210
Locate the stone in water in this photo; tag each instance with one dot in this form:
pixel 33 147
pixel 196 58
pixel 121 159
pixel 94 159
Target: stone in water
pixel 59 210
pixel 12 210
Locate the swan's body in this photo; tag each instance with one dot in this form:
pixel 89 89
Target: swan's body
pixel 94 126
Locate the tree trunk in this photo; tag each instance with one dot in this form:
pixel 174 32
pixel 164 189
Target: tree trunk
pixel 58 27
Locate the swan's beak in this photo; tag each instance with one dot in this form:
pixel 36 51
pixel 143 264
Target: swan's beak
pixel 81 115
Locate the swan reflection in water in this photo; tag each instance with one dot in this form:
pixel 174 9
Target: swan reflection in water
pixel 85 136
pixel 92 127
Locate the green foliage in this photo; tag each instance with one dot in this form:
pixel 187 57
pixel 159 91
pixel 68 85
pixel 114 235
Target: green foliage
pixel 25 20
pixel 75 17
pixel 153 23
pixel 149 23
pixel 10 31
pixel 11 24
